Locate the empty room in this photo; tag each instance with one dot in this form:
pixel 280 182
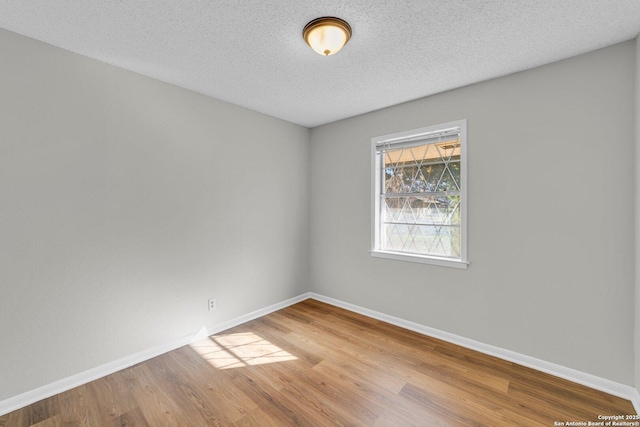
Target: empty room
pixel 276 213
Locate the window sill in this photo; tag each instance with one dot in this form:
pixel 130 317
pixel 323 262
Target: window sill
pixel 442 262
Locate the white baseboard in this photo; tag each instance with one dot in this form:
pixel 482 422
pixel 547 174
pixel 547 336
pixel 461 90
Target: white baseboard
pixel 635 399
pixel 607 386
pixel 32 396
pixel 589 380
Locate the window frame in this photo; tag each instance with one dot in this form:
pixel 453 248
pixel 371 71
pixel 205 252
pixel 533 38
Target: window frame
pixel 376 188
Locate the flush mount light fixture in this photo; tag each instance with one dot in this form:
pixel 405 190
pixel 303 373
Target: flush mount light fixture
pixel 327 35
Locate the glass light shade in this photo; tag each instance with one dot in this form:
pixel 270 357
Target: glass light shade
pixel 327 35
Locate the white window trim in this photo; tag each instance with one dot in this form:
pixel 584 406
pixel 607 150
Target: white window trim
pixel 375 197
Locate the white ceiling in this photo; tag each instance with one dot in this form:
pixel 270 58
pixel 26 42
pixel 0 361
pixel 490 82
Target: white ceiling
pixel 251 52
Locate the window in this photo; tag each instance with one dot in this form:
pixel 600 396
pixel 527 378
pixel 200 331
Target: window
pixel 419 195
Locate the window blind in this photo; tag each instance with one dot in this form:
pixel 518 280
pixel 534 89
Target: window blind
pixel 416 140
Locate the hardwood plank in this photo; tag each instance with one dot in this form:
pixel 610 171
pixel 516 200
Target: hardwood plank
pixel 42 413
pixel 188 394
pixel 229 403
pixel 112 396
pixel 13 419
pixel 132 418
pixel 156 399
pixel 78 407
pixel 276 406
pixel 55 421
pixel 363 374
pixel 312 364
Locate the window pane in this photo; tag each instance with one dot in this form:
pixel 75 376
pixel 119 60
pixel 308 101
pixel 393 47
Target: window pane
pixel 423 225
pixel 441 241
pixel 454 174
pixel 393 180
pixel 429 210
pixel 432 175
pixel 425 168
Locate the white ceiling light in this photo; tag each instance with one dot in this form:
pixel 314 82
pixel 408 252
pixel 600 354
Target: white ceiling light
pixel 327 35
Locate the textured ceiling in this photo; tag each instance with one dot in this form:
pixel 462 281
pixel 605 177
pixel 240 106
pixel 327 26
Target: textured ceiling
pixel 251 52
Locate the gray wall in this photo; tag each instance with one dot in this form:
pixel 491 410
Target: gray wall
pixel 637 218
pixel 125 204
pixel 551 225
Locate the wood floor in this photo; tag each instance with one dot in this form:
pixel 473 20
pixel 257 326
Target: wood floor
pixel 313 364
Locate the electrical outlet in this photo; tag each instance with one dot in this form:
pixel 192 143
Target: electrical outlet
pixel 212 304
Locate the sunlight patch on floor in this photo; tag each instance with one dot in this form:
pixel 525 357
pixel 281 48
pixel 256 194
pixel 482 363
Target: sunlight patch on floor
pixel 237 350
